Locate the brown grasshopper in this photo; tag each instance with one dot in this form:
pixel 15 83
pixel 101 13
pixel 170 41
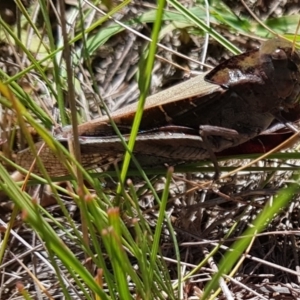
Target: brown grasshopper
pixel 225 107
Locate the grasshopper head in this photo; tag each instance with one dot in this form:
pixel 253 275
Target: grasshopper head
pixel 282 65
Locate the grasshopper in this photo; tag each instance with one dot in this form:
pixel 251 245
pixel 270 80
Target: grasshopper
pixel 225 107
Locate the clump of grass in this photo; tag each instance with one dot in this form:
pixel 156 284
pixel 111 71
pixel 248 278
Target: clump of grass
pixel 115 250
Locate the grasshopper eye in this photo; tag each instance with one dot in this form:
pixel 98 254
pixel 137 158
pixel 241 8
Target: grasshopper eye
pixel 279 54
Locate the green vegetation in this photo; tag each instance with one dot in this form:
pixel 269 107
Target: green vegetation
pixel 115 250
